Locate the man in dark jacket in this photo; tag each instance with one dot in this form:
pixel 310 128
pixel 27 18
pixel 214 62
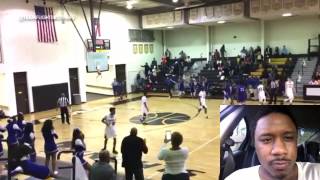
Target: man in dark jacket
pixel 132 147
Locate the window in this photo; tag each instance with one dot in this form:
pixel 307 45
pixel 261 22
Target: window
pixel 239 134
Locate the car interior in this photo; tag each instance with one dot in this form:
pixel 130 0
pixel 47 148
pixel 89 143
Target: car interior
pixel 232 159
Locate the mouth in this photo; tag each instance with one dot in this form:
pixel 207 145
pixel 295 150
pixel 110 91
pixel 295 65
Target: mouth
pixel 280 165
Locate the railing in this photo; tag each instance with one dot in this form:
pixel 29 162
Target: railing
pixel 73 162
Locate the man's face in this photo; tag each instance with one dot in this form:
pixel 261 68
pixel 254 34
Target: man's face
pixel 276 145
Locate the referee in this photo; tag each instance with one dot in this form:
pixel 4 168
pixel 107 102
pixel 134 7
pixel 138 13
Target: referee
pixel 63 104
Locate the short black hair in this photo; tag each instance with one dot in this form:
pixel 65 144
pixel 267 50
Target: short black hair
pixel 268 110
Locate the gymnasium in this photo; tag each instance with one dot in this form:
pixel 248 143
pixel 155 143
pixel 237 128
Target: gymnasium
pixel 105 54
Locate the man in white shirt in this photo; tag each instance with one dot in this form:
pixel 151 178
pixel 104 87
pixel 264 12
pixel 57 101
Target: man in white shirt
pixel 110 131
pixel 144 108
pixel 275 137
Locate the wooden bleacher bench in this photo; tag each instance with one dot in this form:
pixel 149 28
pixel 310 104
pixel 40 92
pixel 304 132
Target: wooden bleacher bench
pixel 278 61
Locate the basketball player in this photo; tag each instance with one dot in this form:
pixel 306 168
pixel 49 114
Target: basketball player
pixel 242 94
pixel 202 99
pixel 289 90
pixel 110 131
pixel 227 92
pixel 144 108
pixel 261 94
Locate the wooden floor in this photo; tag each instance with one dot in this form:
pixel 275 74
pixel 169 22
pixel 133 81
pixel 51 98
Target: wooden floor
pixel 201 135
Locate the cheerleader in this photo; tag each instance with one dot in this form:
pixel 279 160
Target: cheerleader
pixel 29 138
pixel 2 129
pixel 21 123
pixel 79 146
pixel 50 147
pixel 28 167
pixel 110 130
pixel 13 130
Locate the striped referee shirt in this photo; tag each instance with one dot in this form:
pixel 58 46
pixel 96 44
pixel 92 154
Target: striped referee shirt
pixel 63 102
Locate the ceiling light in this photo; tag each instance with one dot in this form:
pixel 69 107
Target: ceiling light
pixel 169 27
pixel 286 14
pixel 174 1
pixel 221 22
pixel 129 5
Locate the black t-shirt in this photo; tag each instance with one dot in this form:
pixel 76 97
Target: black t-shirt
pixel 131 149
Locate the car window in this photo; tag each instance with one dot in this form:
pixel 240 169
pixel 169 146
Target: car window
pixel 308 135
pixel 239 134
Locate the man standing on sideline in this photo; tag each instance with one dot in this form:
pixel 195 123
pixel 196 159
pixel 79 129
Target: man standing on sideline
pixel 63 104
pixel 144 108
pixel 132 147
pixel 110 131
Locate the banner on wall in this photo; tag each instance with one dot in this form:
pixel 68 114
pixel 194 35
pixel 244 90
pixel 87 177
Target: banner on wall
pixel 146 48
pixel 151 48
pixel 135 49
pixel 140 48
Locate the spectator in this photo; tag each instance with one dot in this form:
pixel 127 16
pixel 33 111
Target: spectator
pixel 154 63
pixel 222 51
pixel 168 54
pixel 243 52
pixel 268 52
pixel 132 147
pixel 2 114
pixel 284 51
pixel 102 170
pixel 183 55
pixel 146 69
pixel 175 159
pixel 21 123
pixel 313 82
pixel 216 55
pixel 276 51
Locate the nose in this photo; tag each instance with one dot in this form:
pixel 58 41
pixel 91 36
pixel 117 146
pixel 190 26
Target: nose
pixel 279 147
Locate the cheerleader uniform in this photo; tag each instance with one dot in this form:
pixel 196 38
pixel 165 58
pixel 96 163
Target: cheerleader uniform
pixel 29 138
pixel 50 146
pixel 20 134
pixel 80 148
pixel 2 129
pixel 12 129
pixel 33 169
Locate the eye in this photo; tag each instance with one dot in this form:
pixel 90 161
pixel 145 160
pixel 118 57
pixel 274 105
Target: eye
pixel 288 138
pixel 266 140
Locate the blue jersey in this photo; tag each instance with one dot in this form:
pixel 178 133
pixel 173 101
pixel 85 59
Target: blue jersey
pixel 181 86
pixel 227 91
pixel 49 143
pixel 242 94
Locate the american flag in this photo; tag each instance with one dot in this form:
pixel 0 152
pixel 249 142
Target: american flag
pixel 45 24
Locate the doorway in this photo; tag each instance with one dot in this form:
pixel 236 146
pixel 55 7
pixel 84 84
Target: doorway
pixel 21 91
pixel 121 74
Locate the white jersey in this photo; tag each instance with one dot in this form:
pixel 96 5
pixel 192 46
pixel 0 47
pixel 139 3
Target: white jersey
pixel 289 85
pixel 110 130
pixel 306 171
pixel 144 110
pixel 261 93
pixel 202 96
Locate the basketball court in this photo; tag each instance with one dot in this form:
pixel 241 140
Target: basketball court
pixel 201 135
